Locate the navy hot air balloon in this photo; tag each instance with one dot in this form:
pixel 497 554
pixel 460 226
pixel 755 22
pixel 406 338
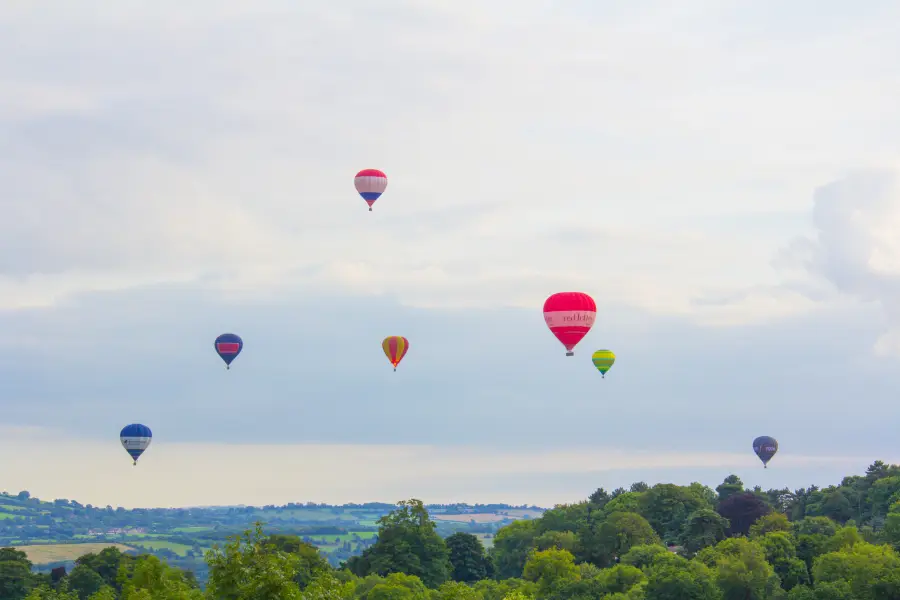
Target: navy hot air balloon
pixel 135 438
pixel 228 346
pixel 765 448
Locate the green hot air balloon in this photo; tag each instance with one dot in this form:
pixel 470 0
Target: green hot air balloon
pixel 603 360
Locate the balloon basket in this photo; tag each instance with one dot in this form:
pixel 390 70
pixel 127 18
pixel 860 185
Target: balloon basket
pixel 570 354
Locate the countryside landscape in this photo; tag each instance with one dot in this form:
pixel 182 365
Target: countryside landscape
pixel 659 542
pixel 55 533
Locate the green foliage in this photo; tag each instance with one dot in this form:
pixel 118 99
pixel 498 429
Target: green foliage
pixel 467 559
pixel 407 543
pixel 511 547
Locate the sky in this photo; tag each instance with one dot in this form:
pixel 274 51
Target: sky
pixel 723 177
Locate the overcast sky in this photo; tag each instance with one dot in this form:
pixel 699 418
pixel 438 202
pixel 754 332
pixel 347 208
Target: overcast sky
pixel 722 176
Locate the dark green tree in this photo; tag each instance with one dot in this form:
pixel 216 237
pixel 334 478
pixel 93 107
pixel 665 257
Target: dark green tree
pixel 467 559
pixel 15 573
pixel 407 543
pixel 742 511
pixel 84 581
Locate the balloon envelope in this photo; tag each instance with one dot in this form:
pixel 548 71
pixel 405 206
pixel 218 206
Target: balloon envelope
pixel 370 184
pixel 765 448
pixel 395 348
pixel 570 315
pixel 228 346
pixel 135 438
pixel 603 360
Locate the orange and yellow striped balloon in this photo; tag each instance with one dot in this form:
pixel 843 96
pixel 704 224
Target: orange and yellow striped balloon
pixel 395 347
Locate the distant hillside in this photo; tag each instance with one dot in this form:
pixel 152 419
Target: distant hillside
pixel 64 529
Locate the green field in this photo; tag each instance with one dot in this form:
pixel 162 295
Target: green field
pixel 49 553
pixel 179 549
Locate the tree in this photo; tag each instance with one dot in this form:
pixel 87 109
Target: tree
pixel 310 561
pixel 704 527
pixel 550 568
pixel 467 559
pixel 15 572
pixel 770 523
pixel 511 546
pixel 625 502
pixel 615 536
pixel 398 586
pixel 666 506
pixel 249 568
pixel 454 590
pixel 564 540
pixel 154 579
pixel 729 487
pixel 644 556
pixel 599 498
pixel 105 563
pixel 866 571
pixel 407 543
pixel 84 581
pixel 742 572
pixel 781 552
pixel 742 511
pixel 680 579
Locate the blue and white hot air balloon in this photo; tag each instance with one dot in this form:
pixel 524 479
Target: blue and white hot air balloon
pixel 135 438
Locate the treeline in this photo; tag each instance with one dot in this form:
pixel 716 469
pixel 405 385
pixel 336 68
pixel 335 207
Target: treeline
pixel 665 542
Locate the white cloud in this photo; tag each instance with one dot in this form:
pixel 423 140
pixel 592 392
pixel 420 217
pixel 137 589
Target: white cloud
pixel 855 247
pixel 570 147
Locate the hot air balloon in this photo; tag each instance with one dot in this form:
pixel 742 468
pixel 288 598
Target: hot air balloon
pixel 370 183
pixel 570 315
pixel 135 438
pixel 395 348
pixel 765 448
pixel 228 346
pixel 603 360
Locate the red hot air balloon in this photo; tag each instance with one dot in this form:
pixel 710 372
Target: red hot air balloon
pixel 570 315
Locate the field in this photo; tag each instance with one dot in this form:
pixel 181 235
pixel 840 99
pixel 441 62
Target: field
pixel 179 549
pixel 49 553
pixel 467 518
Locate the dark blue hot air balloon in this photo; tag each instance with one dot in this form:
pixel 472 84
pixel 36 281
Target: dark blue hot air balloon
pixel 135 438
pixel 228 346
pixel 765 448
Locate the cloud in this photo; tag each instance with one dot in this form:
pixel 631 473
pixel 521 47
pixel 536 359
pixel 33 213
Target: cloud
pixel 855 249
pixel 218 147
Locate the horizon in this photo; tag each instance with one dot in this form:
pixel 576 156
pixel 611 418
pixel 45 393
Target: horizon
pixel 722 178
